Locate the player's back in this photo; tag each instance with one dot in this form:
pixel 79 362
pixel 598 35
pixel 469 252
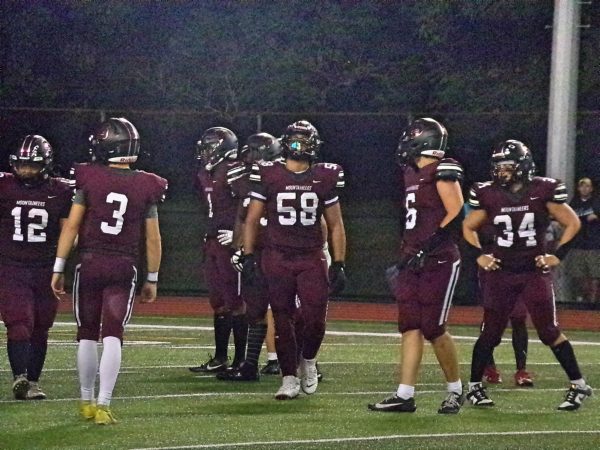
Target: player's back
pixel 117 203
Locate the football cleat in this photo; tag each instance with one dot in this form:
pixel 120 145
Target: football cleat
pixel 87 409
pixel 212 365
pixel 575 395
pixel 290 388
pixel 478 397
pixel 271 368
pixel 104 416
pixel 452 403
pixel 245 372
pixel 394 404
pixel 309 378
pixel 523 378
pixel 20 387
pixel 35 392
pixel 491 375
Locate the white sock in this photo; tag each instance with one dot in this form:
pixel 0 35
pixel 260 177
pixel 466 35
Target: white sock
pixel 579 383
pixel 87 366
pixel 272 356
pixel 405 391
pixel 455 386
pixel 110 364
pixel 471 384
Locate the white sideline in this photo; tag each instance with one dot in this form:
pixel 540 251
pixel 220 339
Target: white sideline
pixel 268 395
pixel 331 333
pixel 375 438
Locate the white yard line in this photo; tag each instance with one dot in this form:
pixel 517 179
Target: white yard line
pixel 342 440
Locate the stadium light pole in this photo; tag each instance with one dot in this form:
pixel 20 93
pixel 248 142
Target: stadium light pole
pixel 562 114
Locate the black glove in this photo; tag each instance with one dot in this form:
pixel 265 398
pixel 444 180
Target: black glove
pixel 417 261
pixel 337 277
pixel 250 273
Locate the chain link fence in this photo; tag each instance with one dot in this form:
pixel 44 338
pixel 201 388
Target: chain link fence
pixel 364 143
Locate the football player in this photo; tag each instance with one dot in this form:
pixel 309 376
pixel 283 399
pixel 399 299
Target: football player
pixel 113 208
pixel 33 206
pixel 423 280
pixel 517 266
pixel 518 322
pixel 259 147
pixel 295 193
pixel 217 151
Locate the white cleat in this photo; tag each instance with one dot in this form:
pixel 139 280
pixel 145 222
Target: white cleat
pixel 290 388
pixel 309 376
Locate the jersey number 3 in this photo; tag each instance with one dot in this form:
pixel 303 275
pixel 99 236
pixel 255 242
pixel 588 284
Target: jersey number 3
pixel 120 201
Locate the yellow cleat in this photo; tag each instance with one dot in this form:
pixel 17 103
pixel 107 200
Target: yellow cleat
pixel 87 409
pixel 104 416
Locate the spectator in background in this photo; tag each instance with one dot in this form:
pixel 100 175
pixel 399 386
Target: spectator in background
pixel 583 263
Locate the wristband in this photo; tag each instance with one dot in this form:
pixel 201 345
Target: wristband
pixel 59 265
pixel 562 251
pixel 152 277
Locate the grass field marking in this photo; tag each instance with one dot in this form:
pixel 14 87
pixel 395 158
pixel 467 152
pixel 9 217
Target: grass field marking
pixel 441 390
pixel 342 440
pixel 331 333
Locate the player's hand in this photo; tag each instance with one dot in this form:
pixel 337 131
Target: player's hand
pixel 148 294
pixel 225 237
pixel 337 277
pixel 417 261
pixel 489 262
pixel 236 260
pixel 250 273
pixel 58 284
pixel 545 262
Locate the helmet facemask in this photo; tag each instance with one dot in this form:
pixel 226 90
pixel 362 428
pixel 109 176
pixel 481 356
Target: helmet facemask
pixel 32 163
pixel 216 145
pixel 423 137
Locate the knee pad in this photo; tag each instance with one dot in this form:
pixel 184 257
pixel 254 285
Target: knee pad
pixel 549 335
pixel 488 340
pixel 39 335
pixel 432 333
pixel 18 332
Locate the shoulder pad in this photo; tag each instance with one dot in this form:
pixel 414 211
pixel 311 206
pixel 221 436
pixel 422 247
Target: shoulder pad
pixel 331 169
pixel 235 172
pixel 449 170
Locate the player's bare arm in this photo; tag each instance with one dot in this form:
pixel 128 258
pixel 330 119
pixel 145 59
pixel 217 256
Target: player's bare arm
pixel 471 224
pixel 452 198
pixel 336 231
pixel 250 229
pixel 153 258
pixel 571 224
pixel 66 241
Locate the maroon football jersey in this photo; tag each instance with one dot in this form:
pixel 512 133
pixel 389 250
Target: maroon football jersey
pixel 424 208
pixel 519 220
pixel 30 219
pixel 221 193
pixel 117 202
pixel 295 202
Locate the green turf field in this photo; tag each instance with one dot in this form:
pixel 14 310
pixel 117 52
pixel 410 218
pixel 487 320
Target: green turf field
pixel 160 404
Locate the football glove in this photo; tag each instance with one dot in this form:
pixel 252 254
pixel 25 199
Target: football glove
pixel 236 260
pixel 225 237
pixel 337 277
